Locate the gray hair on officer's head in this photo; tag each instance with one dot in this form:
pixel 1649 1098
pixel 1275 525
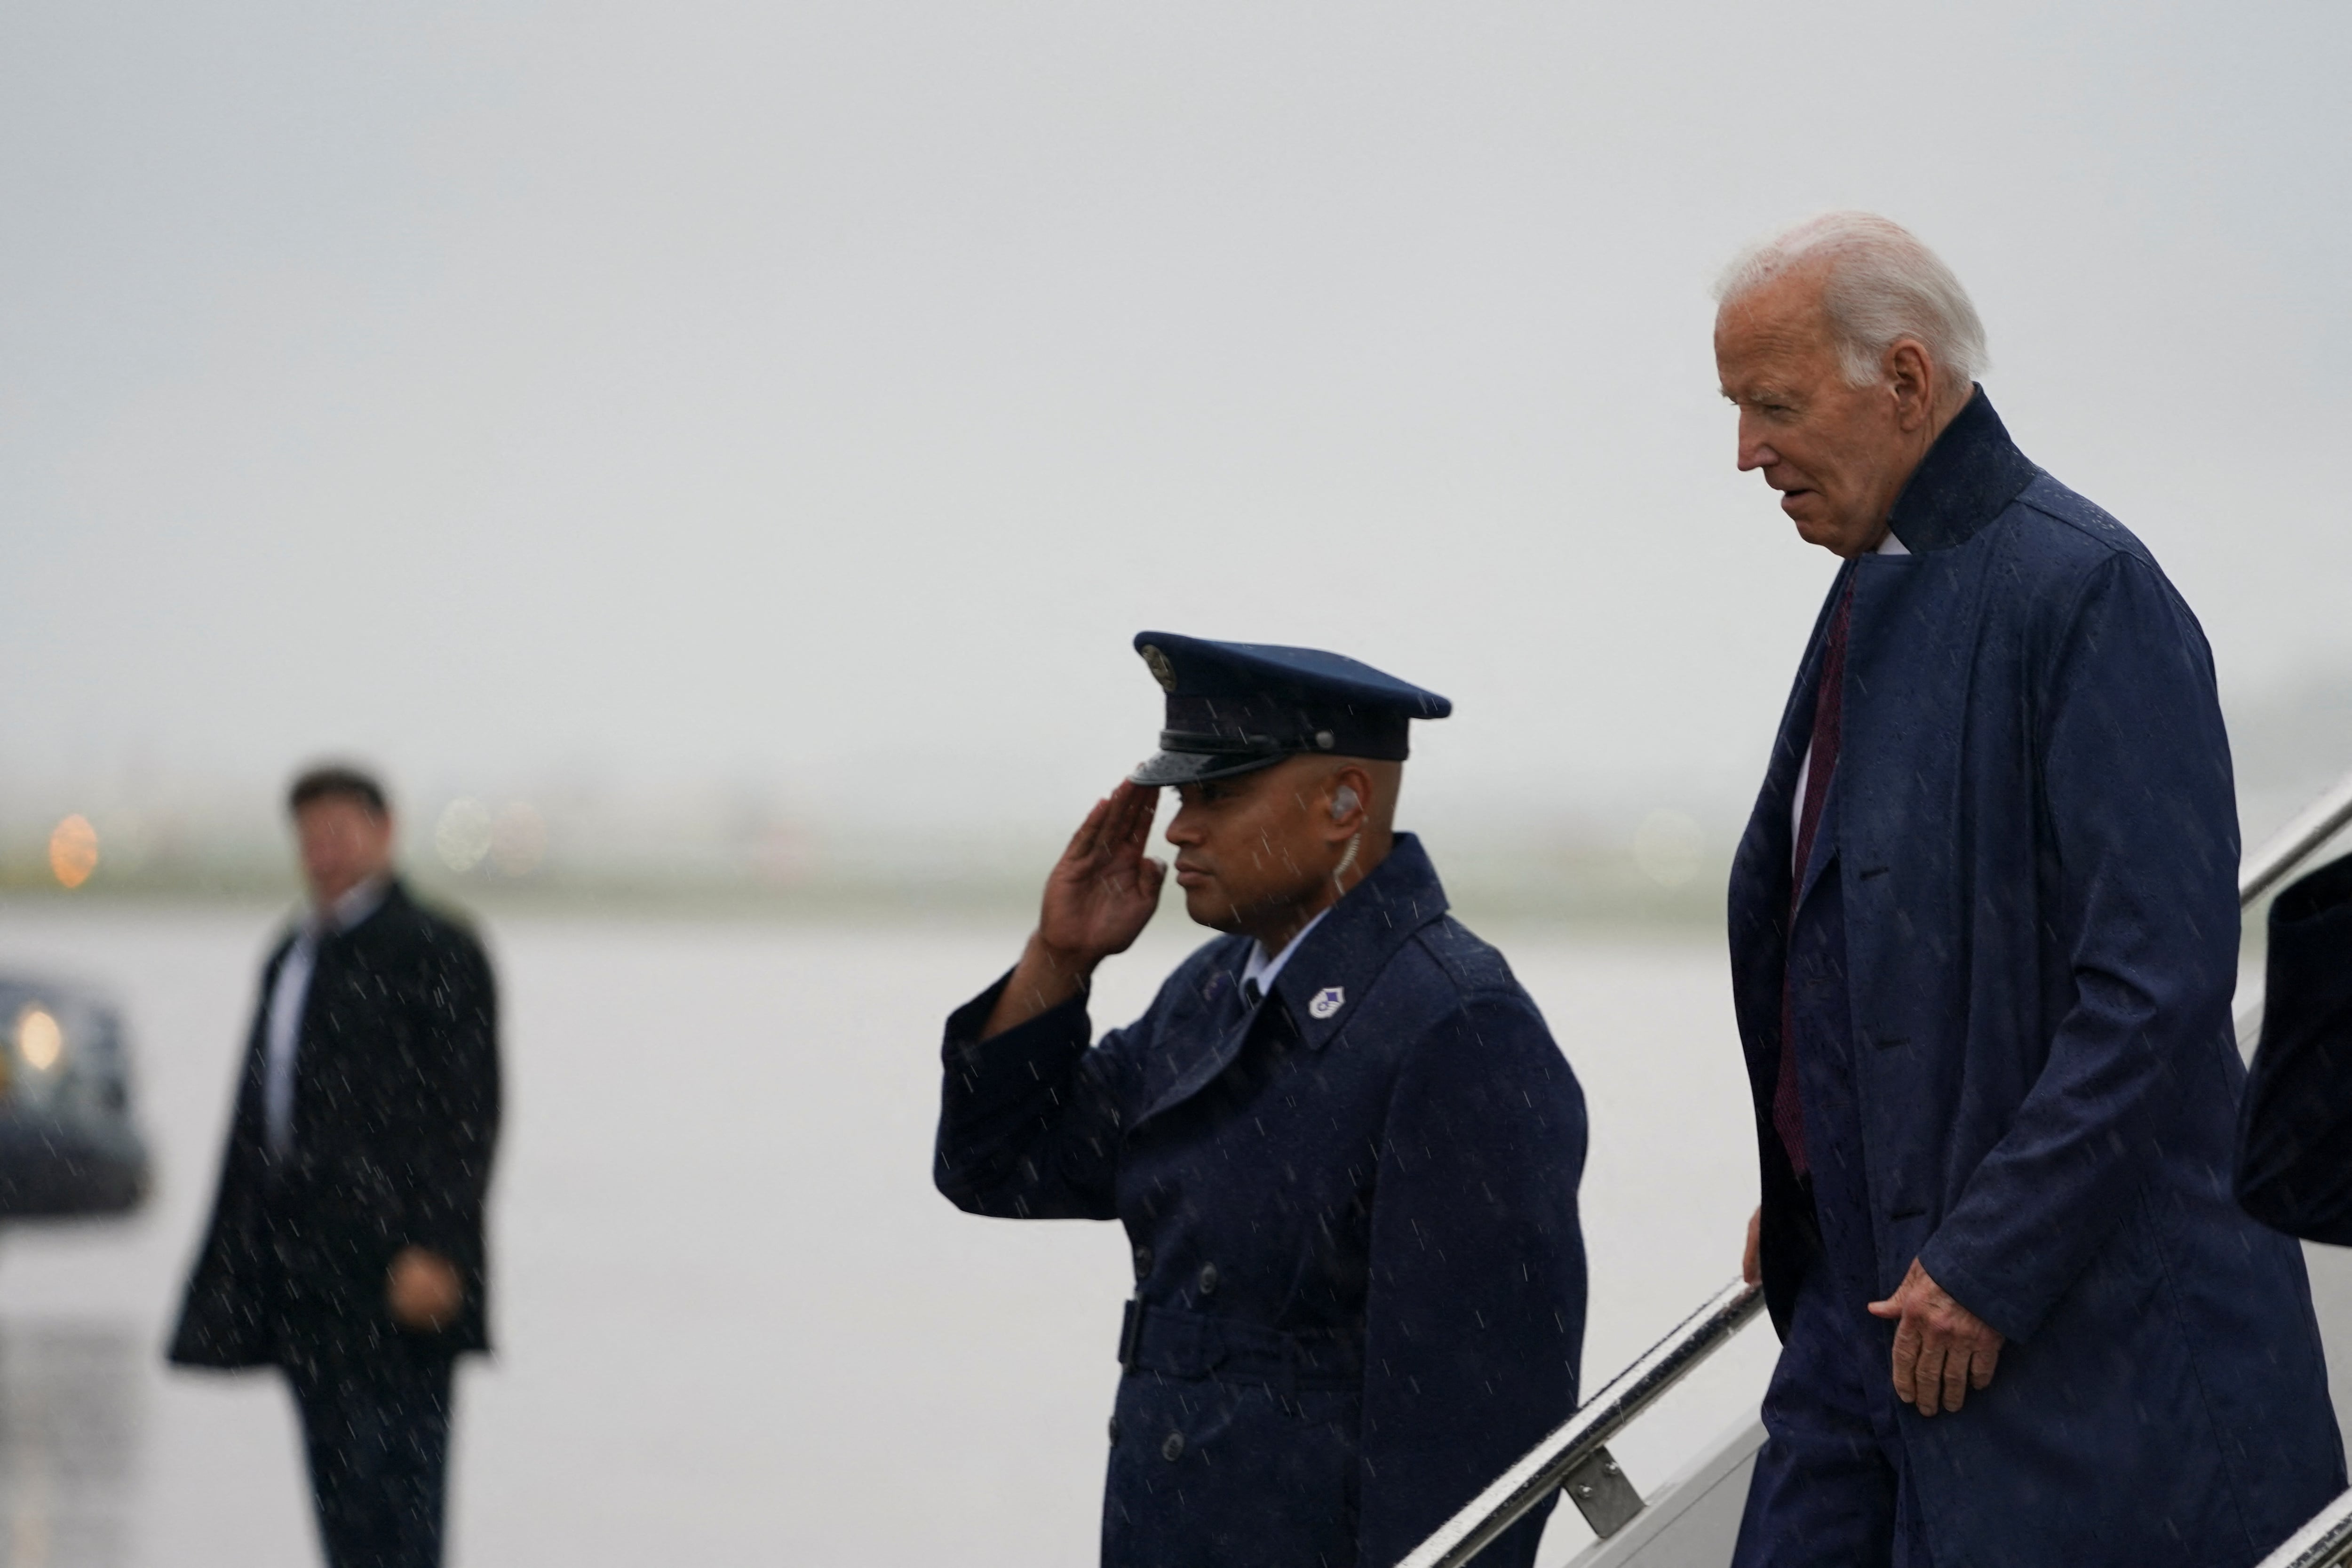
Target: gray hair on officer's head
pixel 1881 285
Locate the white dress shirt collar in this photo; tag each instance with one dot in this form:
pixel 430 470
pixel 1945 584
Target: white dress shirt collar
pixel 1261 969
pixel 355 905
pixel 282 1034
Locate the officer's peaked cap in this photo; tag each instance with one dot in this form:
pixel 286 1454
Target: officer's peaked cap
pixel 1235 707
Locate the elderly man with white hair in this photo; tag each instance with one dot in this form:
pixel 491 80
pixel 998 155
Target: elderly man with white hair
pixel 1984 933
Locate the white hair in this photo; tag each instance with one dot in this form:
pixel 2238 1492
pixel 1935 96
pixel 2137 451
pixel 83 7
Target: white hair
pixel 1883 285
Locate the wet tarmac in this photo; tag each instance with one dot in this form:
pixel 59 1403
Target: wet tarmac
pixel 735 1323
pixel 72 1431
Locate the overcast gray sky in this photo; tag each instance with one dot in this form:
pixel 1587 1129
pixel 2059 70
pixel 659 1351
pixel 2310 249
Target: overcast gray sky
pixel 824 394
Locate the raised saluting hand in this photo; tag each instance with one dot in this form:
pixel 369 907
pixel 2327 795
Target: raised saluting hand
pixel 1098 898
pixel 1103 889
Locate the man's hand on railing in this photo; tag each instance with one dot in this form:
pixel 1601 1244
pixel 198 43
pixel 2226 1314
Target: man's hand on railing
pixel 1941 1348
pixel 1751 1262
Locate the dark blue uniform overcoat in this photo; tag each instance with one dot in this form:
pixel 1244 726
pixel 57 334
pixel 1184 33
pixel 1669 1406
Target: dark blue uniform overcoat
pixel 2294 1144
pixel 1359 1275
pixel 2036 853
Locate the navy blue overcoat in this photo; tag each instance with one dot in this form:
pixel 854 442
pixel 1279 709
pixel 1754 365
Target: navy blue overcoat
pixel 2037 847
pixel 1360 1277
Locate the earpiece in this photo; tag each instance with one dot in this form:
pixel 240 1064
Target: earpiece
pixel 1343 801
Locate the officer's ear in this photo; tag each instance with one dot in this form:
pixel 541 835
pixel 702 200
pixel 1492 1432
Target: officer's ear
pixel 1351 797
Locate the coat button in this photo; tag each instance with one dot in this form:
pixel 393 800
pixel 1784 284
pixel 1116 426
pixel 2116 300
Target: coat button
pixel 1173 1449
pixel 1208 1279
pixel 1114 1429
pixel 1142 1263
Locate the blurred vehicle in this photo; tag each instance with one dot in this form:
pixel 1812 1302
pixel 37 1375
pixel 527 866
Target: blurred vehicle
pixel 69 1145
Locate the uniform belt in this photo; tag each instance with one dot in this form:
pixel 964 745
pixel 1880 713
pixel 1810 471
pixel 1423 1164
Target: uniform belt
pixel 1194 1344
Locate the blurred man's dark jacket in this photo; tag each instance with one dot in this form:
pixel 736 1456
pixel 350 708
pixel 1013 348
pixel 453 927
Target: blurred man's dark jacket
pixel 395 1113
pixel 2294 1135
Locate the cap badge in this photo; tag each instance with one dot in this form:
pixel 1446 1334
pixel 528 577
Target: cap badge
pixel 1162 670
pixel 1328 1001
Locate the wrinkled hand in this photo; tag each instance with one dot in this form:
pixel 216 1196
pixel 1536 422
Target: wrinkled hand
pixel 1941 1348
pixel 423 1290
pixel 1752 1261
pixel 1103 890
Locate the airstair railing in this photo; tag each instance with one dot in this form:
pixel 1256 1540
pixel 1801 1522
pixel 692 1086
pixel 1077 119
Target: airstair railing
pixel 2325 1543
pixel 1576 1455
pixel 2313 826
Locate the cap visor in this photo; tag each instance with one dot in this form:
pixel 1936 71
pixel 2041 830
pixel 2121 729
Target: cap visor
pixel 1170 768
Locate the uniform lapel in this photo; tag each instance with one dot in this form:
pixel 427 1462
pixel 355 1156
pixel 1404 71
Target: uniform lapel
pixel 1338 962
pixel 1329 977
pixel 1219 1035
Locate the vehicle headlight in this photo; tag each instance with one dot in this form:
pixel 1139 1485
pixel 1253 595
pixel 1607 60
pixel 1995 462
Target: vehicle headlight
pixel 40 1039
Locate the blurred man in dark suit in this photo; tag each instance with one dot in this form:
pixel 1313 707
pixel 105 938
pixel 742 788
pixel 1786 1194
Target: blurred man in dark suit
pixel 346 1240
pixel 2295 1130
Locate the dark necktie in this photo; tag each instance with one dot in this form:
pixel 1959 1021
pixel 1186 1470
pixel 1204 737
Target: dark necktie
pixel 1829 705
pixel 1251 993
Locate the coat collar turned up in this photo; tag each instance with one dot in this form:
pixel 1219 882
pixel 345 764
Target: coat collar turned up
pixel 1326 979
pixel 1324 984
pixel 1967 477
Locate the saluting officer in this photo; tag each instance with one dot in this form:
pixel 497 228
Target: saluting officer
pixel 1341 1139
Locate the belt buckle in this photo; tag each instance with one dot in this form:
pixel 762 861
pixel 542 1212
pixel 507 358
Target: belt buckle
pixel 1130 1332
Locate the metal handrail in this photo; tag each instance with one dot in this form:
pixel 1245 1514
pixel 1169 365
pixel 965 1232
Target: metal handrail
pixel 2325 1543
pixel 2313 826
pixel 1535 1477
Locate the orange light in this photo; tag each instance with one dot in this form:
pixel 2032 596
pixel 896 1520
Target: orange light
pixel 73 850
